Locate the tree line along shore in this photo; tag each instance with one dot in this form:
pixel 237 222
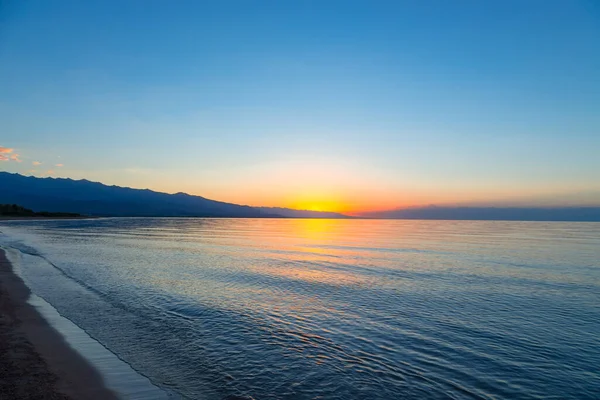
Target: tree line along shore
pixel 17 211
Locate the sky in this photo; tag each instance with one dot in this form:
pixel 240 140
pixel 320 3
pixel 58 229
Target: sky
pixel 326 105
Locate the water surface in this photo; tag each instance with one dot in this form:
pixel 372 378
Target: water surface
pixel 331 309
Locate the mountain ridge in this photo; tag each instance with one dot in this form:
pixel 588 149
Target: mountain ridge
pixel 66 195
pixel 97 199
pixel 472 213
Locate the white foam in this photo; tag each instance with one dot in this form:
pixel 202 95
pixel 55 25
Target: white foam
pixel 118 376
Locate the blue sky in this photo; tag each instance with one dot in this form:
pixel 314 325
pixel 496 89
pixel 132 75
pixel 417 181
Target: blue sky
pixel 316 104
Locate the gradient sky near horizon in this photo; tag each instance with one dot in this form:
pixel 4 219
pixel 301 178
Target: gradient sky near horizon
pixel 327 105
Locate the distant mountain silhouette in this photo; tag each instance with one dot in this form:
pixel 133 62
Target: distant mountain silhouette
pixel 290 213
pixel 492 213
pixel 97 199
pixel 92 198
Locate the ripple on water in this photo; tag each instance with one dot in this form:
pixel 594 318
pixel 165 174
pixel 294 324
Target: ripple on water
pixel 270 309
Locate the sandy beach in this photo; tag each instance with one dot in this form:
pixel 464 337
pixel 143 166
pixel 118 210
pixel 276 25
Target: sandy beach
pixel 35 360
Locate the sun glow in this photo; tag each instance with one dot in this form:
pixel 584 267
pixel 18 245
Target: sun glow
pixel 315 207
pixel 322 205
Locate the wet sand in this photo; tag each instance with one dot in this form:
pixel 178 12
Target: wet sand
pixel 40 218
pixel 35 360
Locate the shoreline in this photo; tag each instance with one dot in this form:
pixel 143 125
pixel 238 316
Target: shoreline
pixel 35 359
pixel 40 218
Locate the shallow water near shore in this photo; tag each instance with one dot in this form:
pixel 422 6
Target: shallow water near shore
pixel 333 309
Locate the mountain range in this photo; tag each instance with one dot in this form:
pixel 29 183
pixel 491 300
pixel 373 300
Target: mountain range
pixel 96 199
pixel 589 214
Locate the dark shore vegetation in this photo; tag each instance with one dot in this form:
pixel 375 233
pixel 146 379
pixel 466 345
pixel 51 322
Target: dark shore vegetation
pixel 14 210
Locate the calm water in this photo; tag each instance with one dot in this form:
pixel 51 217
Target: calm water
pixel 331 309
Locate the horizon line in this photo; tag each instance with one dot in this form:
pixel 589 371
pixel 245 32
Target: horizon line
pixel 364 214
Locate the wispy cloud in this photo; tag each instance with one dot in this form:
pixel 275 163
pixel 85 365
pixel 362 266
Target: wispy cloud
pixel 50 172
pixel 9 154
pixel 12 156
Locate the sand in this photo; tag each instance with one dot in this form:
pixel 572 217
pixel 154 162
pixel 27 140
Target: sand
pixel 35 360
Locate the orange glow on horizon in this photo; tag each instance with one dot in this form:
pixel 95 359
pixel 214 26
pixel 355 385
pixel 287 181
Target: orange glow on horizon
pixel 321 206
pixel 354 203
pixel 347 192
pixel 345 207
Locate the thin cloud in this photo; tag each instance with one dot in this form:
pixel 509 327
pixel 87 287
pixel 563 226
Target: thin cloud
pixel 7 150
pixel 60 165
pixel 36 163
pixel 50 172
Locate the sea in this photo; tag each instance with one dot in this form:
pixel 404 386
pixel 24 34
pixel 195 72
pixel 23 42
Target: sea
pixel 329 309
